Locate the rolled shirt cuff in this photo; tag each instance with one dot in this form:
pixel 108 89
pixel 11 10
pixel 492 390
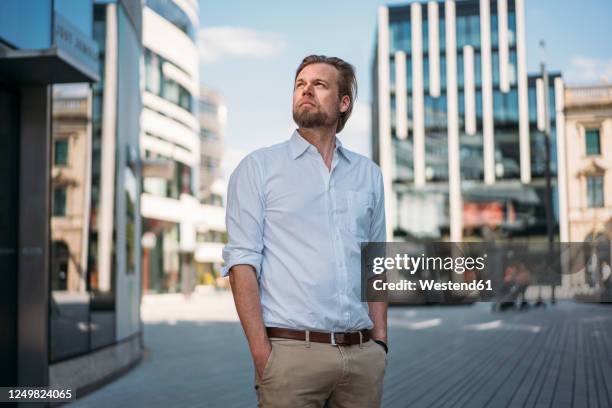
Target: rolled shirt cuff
pixel 252 259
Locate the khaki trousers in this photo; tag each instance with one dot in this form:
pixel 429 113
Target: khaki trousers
pixel 317 375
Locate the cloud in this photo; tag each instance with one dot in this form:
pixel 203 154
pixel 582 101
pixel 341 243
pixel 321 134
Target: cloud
pixel 584 69
pixel 356 134
pixel 216 43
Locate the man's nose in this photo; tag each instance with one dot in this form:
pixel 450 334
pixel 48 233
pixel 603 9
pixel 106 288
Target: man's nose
pixel 307 89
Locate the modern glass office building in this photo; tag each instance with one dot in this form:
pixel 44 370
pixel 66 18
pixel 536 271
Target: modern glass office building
pixel 47 43
pixel 170 144
pixel 69 205
pixel 458 123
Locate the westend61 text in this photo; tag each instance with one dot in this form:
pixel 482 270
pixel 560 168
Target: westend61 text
pixel 432 285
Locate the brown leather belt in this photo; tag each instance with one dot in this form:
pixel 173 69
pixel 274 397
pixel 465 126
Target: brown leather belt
pixel 338 339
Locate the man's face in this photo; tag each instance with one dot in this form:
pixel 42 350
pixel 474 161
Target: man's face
pixel 315 97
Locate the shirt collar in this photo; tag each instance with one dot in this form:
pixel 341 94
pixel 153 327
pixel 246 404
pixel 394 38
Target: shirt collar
pixel 298 145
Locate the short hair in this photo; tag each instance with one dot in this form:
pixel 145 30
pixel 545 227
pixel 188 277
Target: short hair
pixel 347 83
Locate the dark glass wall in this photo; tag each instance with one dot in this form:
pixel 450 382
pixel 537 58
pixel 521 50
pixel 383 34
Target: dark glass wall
pixel 9 206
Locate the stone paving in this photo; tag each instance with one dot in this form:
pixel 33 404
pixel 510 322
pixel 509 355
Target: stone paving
pixel 441 356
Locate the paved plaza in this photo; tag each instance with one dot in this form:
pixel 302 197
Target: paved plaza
pixel 441 356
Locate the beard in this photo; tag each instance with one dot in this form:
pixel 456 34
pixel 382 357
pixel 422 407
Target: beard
pixel 306 118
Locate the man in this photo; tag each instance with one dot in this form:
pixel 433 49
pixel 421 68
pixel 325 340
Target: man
pixel 296 214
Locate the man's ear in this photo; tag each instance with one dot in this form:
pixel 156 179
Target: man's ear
pixel 345 102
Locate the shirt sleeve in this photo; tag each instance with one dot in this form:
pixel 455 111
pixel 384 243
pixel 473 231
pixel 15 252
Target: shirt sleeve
pixel 378 229
pixel 244 217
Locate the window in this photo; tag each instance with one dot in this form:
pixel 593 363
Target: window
pixel 494 38
pixel 207 134
pixel 209 107
pixel 533 112
pixel 426 74
pixel 474 31
pixel 153 72
pixel 442 34
pixel 511 28
pixel 477 69
pixel 209 163
pixel 460 74
pixel 409 73
pixel 495 68
pixel 595 192
pixel 443 72
pixel 212 236
pixel 167 88
pixel 461 23
pixel 512 68
pixel 171 91
pixel 213 199
pixel 59 201
pixel 425 35
pixel 61 152
pixel 592 142
pixel 399 37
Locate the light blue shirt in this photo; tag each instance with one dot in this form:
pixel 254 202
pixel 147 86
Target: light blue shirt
pixel 300 226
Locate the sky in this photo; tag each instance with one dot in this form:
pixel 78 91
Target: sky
pixel 249 51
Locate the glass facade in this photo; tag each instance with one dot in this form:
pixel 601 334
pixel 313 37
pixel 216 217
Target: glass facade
pixel 83 312
pixel 519 208
pixel 505 105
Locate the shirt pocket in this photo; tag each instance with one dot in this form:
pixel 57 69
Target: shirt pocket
pixel 360 206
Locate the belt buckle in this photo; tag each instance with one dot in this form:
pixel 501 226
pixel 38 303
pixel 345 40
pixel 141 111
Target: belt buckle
pixel 341 341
